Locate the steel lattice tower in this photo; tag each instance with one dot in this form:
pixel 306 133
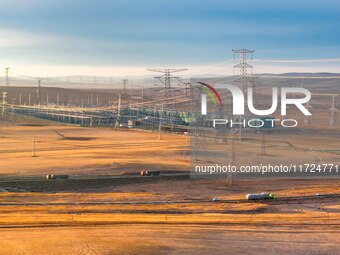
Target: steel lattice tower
pixel 165 79
pixel 243 79
pixel 39 92
pixel 244 66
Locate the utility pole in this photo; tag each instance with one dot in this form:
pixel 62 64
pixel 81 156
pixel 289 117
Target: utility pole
pixel 196 139
pixel 131 96
pixel 334 112
pixel 263 146
pixel 4 94
pixel 160 122
pixel 33 147
pixel 142 94
pixel 39 92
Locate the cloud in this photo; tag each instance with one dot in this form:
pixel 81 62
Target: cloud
pixel 18 38
pixel 11 38
pixel 323 60
pixel 222 68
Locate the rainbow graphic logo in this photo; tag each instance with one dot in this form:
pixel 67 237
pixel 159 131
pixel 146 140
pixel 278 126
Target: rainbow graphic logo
pixel 213 94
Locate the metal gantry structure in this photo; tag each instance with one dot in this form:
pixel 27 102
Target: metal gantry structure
pixel 148 113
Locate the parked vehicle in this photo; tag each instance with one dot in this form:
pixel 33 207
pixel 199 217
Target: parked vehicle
pixel 149 173
pixel 55 176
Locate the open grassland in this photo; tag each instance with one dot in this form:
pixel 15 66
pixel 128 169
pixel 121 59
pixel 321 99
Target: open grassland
pixel 188 202
pixel 129 220
pixel 169 214
pixel 158 239
pixel 87 151
pixel 103 151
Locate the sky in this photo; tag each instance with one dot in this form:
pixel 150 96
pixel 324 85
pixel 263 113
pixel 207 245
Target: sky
pixel 125 37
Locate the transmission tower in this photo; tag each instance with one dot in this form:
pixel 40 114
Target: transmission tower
pixel 263 144
pixel 187 90
pixel 7 78
pixel 118 119
pixel 243 79
pixel 39 92
pixel 165 79
pixel 4 96
pixel 232 162
pixel 125 82
pixel 244 66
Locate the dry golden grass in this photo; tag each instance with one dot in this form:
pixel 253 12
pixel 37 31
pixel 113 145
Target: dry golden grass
pixel 191 227
pixel 140 210
pixel 91 151
pixel 168 239
pixel 45 219
pixel 101 151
